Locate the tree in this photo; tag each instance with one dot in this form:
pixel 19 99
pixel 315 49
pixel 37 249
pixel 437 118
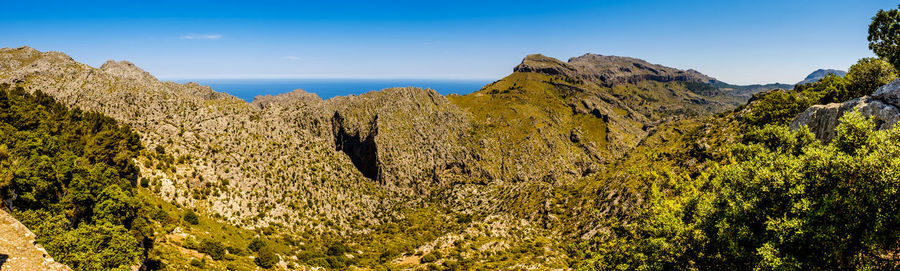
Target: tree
pixel 867 75
pixel 213 248
pixel 266 258
pixel 787 202
pixel 191 217
pixel 884 36
pixel 256 244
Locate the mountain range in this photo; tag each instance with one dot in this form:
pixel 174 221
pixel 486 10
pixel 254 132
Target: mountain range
pixel 400 173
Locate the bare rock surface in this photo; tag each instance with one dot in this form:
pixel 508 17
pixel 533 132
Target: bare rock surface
pixel 881 107
pixel 18 250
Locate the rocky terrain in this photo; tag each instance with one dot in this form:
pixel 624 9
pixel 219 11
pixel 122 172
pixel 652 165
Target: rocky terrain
pixel 18 250
pixel 347 165
pixel 881 107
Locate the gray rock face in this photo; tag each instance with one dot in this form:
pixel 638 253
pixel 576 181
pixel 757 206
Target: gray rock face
pixel 889 93
pixel 881 107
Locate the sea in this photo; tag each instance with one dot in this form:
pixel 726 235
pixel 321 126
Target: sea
pixel 247 89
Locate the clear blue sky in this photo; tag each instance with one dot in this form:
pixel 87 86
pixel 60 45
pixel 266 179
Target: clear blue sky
pixel 735 41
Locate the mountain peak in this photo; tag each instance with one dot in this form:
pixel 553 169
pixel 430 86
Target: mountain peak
pixel 126 69
pixel 817 75
pixel 608 70
pixel 543 64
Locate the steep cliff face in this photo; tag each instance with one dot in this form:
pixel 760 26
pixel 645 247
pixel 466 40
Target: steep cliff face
pixel 881 107
pixel 407 138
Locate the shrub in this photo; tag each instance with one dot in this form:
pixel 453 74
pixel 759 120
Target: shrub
pixel 213 248
pixel 197 263
pixel 266 258
pixel 868 74
pixel 430 257
pixel 337 249
pixel 191 217
pixel 256 244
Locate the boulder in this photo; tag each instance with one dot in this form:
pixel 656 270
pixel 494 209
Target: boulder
pixel 880 107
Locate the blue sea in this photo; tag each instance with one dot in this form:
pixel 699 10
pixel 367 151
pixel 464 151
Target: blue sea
pixel 247 89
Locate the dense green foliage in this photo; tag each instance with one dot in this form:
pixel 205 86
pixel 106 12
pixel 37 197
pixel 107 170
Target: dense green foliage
pixel 266 258
pixel 780 106
pixel 213 248
pixel 785 201
pixel 69 176
pixel 191 217
pixel 867 75
pixel 256 244
pixel 884 36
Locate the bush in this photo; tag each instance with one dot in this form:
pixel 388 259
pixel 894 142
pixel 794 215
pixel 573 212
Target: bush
pixel 337 249
pixel 868 74
pixel 213 248
pixel 191 217
pixel 160 215
pixel 430 257
pixel 256 244
pixel 266 258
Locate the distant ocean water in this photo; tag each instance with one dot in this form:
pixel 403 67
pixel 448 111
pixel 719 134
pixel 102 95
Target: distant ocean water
pixel 247 89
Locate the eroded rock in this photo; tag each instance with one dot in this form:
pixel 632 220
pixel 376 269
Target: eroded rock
pixel 881 107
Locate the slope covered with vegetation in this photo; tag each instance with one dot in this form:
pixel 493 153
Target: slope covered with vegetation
pixel 70 176
pixel 598 162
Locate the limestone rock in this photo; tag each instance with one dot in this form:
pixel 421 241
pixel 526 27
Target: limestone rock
pixel 125 69
pixel 881 107
pixel 18 250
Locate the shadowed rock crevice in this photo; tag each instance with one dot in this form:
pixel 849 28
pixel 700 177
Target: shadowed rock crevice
pixel 363 152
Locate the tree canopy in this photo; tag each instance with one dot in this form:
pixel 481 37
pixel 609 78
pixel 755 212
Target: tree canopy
pixel 69 175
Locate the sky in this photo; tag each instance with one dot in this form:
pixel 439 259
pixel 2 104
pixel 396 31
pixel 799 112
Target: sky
pixel 740 42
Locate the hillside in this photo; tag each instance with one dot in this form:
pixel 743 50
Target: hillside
pixel 391 175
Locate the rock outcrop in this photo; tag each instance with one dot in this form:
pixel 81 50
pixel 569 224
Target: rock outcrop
pixel 881 107
pixel 608 71
pixel 403 137
pixel 18 250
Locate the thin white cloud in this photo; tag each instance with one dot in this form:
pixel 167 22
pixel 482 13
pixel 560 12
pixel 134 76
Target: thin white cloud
pixel 291 58
pixel 201 37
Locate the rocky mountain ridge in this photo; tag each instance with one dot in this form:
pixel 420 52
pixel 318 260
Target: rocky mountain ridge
pixel 348 165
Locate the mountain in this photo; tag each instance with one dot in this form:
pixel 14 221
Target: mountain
pixel 819 74
pixel 391 175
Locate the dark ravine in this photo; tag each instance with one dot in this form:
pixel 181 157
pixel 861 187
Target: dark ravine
pixel 362 151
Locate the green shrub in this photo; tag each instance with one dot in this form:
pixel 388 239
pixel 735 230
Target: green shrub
pixel 868 74
pixel 266 258
pixel 213 248
pixel 256 244
pixel 430 257
pixel 191 217
pixel 197 263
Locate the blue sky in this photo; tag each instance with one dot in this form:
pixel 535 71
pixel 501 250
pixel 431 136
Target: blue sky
pixel 735 41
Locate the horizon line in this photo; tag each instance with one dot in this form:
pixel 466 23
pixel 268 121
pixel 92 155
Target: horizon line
pixel 323 77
